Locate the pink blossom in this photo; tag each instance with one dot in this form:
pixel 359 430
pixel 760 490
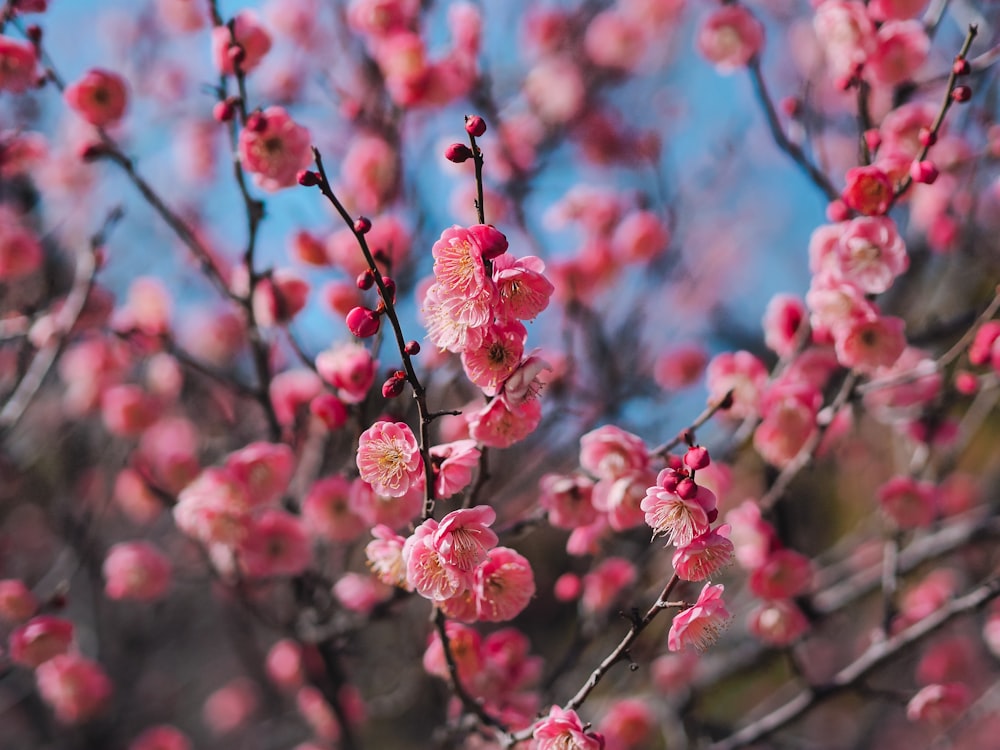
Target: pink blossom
pixel 847 35
pixel 629 723
pixel 870 344
pixel 823 247
pixel 380 17
pixel 284 664
pixel 705 555
pixel 249 34
pixel 231 706
pixel 610 452
pixel 523 289
pixel 788 420
pixel 901 47
pixel 680 366
pixel 783 319
pixel 20 251
pixel 291 392
pixel 182 15
pixel 214 508
pixel 385 557
pixel 360 592
pixel 274 149
pixel 453 465
pixel 279 297
pixel 606 582
pixel 18 65
pixel 673 672
pixel 836 306
pixel 525 383
pixel 276 545
pixel 567 499
pixel 100 97
pixel 350 368
pixel 376 508
pixel 496 357
pixel 563 730
pixel 504 584
pixel 702 624
pixel 871 254
pixel 370 172
pixel 499 425
pixel 460 272
pixel 778 623
pixel 743 374
pixel 329 511
pixel 620 499
pixel 680 518
pixel 900 128
pixel 264 469
pixel 39 640
pixel 76 688
pixel 442 315
pixel 389 458
pixel 317 712
pixel 466 649
pixel 555 89
pixel 463 537
pixel 909 503
pixel 730 37
pixel 136 570
pixel 784 574
pixel 614 40
pixel 426 570
pixel 162 737
pixel 641 237
pixel 869 190
pixel 939 704
pixel 127 410
pixel 17 602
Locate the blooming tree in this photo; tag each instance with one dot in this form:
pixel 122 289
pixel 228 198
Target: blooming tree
pixel 332 416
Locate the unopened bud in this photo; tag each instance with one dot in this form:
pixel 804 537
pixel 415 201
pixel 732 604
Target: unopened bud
pixel 223 111
pixel 961 67
pixel 257 122
pixel 961 94
pixel 366 279
pixel 362 225
pixel 394 385
pixel 686 489
pixel 475 125
pixel 412 348
pixel 926 137
pixel 363 322
pixel 697 458
pixel 308 178
pixel 873 139
pixel 237 55
pixel 457 153
pixel 34 34
pixel 390 287
pixel 923 171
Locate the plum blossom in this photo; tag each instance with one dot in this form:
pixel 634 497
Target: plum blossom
pixel 679 512
pixel 563 730
pixel 453 465
pixel 463 537
pixel 702 624
pixel 504 584
pixel 870 254
pixel 274 148
pixel 389 458
pixel 75 687
pixel 251 36
pixel 136 570
pixel 100 97
pixel 730 37
pixel 705 555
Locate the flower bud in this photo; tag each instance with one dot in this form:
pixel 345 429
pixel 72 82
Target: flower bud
pixel 363 322
pixel 457 153
pixel 926 137
pixel 687 489
pixel 696 458
pixel 307 178
pixel 923 171
pixel 412 348
pixel 330 410
pixel 257 122
pixel 961 67
pixel 362 225
pixel 394 385
pixel 223 111
pixel 961 94
pixel 475 125
pixel 366 279
pixel 490 239
pixel 390 287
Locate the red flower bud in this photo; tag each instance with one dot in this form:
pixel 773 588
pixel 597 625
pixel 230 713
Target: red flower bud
pixel 394 385
pixel 697 458
pixel 412 348
pixel 362 225
pixel 686 489
pixel 365 279
pixel 236 54
pixel 223 111
pixel 330 410
pixel 475 125
pixel 961 67
pixel 257 122
pixel 961 94
pixel 390 287
pixel 308 178
pixel 873 139
pixel 926 137
pixel 490 239
pixel 923 171
pixel 458 152
pixel 363 322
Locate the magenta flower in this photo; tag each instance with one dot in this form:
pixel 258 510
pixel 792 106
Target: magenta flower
pixel 463 537
pixel 701 624
pixel 680 519
pixel 389 458
pixel 274 148
pixel 504 584
pixel 563 730
pixel 705 555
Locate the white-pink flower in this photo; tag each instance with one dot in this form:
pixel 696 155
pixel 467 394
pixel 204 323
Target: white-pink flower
pixel 563 730
pixel 274 148
pixel 871 254
pixel 453 465
pixel 700 625
pixel 389 458
pixel 463 537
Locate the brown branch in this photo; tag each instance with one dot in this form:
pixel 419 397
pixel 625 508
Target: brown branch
pixel 850 677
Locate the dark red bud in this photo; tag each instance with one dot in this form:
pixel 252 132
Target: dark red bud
pixel 366 279
pixel 308 178
pixel 257 122
pixel 393 386
pixel 223 111
pixel 390 287
pixel 926 137
pixel 412 348
pixel 34 34
pixel 961 94
pixel 961 67
pixel 236 54
pixel 458 152
pixel 362 225
pixel 686 489
pixel 475 125
pixel 363 322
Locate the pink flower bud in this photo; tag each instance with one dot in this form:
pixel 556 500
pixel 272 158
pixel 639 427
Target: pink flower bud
pixel 491 240
pixel 307 178
pixel 257 122
pixel 961 94
pixel 223 111
pixel 330 410
pixel 923 171
pixel 458 153
pixel 363 322
pixel 366 279
pixel 961 67
pixel 697 458
pixel 873 139
pixel 926 137
pixel 412 348
pixel 390 287
pixel 362 225
pixel 475 126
